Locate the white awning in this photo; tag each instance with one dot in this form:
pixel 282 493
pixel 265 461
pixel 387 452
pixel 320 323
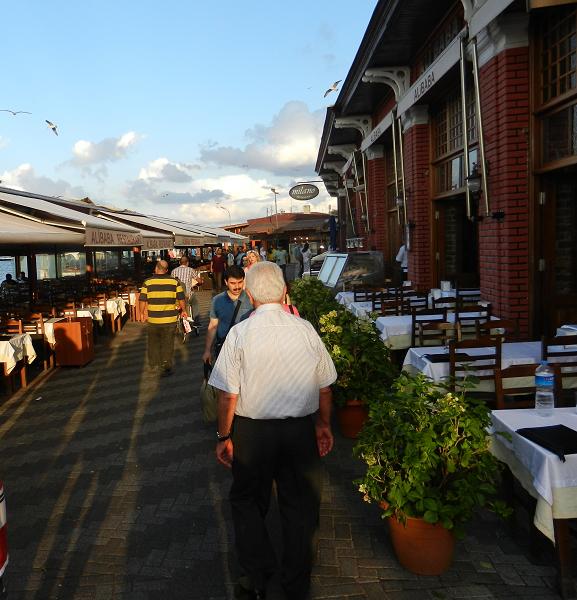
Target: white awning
pixel 183 236
pixel 151 240
pixel 99 232
pixel 22 231
pixel 222 235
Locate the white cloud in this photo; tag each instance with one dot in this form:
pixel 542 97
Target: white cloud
pixel 86 153
pixel 25 178
pixel 288 146
pixel 164 170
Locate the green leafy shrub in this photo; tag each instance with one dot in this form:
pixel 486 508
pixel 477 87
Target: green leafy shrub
pixel 362 361
pixel 312 299
pixel 427 454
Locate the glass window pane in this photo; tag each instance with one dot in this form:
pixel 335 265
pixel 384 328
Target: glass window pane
pixel 71 264
pixel 46 266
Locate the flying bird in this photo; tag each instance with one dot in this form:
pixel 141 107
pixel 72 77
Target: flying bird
pixel 52 126
pixel 15 112
pixel 333 88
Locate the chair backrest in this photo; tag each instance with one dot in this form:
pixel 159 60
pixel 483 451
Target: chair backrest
pixel 416 300
pixel 11 327
pixel 470 317
pixel 506 329
pixel 390 306
pixel 562 350
pixel 479 359
pixel 437 333
pixel 428 315
pixel 515 386
pixel 468 295
pixel 364 294
pixel 447 302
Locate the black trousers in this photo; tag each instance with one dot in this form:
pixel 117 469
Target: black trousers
pixel 283 450
pixel 161 345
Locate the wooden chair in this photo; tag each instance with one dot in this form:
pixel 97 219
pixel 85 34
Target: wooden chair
pixel 469 317
pixel 476 360
pixel 445 302
pixel 506 329
pixel 34 326
pixel 562 351
pixel 426 316
pixel 468 295
pixel 520 391
pixel 417 300
pixel 11 327
pixel 437 333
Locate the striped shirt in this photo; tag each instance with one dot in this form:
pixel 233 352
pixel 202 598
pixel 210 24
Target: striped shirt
pixel 162 292
pixel 276 363
pixel 185 275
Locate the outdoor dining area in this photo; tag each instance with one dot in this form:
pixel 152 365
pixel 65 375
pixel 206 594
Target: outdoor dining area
pixel 451 336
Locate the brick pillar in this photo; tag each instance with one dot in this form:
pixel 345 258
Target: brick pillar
pixel 504 251
pixel 419 208
pixel 376 188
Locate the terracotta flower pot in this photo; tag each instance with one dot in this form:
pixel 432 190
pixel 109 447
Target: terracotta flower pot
pixel 421 547
pixel 352 417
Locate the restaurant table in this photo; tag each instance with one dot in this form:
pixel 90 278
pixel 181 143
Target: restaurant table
pixel 542 474
pixel 16 348
pixel 116 307
pixel 345 298
pixel 512 353
pixel 396 330
pixel 49 329
pixel 93 312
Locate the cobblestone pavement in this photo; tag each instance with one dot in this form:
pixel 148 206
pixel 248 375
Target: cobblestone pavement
pixel 113 492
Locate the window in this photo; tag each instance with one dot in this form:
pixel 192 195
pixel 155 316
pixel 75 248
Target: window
pixel 557 53
pixel 105 261
pixel 71 264
pixel 448 142
pixel 560 134
pixel 46 266
pixel 445 35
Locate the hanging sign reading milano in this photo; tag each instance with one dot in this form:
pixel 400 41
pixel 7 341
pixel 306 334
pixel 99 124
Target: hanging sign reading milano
pixel 304 191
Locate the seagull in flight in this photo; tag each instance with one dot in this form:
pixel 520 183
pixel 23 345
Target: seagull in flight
pixel 52 126
pixel 333 88
pixel 15 112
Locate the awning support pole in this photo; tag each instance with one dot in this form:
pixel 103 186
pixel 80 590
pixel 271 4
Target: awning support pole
pixel 465 127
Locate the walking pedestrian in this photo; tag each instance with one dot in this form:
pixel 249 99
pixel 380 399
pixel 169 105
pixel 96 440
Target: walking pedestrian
pixel 273 424
pixel 281 259
pixel 217 268
pixel 226 309
pixel 189 278
pixel 158 302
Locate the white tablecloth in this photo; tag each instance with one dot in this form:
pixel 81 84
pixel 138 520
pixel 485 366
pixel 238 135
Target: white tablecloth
pixel 396 330
pixel 542 473
pixel 132 298
pixel 93 312
pixel 512 353
pixel 49 329
pixel 116 307
pixel 16 348
pixel 345 298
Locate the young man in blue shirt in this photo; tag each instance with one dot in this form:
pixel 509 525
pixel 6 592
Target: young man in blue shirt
pixel 223 308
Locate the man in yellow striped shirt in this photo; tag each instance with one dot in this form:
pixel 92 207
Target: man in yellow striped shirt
pixel 161 297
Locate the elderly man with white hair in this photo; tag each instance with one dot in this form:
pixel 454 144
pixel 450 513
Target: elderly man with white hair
pixel 274 376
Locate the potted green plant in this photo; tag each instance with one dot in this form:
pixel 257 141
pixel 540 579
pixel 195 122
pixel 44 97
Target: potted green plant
pixel 312 298
pixel 429 467
pixel 363 364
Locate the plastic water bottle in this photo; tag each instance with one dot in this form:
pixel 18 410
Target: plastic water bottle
pixel 544 389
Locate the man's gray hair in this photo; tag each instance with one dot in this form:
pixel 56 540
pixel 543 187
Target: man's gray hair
pixel 265 282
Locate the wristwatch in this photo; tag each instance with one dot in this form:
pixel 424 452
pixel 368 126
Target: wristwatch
pixel 222 438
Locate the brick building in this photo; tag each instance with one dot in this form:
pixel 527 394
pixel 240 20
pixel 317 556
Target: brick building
pixel 456 130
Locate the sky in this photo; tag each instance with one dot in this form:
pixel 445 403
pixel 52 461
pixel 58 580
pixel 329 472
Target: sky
pixel 187 109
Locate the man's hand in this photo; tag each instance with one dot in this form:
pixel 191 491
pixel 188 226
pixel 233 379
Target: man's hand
pixel 324 438
pixel 206 357
pixel 224 453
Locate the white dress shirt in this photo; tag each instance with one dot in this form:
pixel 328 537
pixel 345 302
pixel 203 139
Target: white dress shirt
pixel 276 363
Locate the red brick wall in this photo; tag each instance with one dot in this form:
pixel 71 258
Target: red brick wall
pixel 376 200
pixel 416 149
pixel 504 251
